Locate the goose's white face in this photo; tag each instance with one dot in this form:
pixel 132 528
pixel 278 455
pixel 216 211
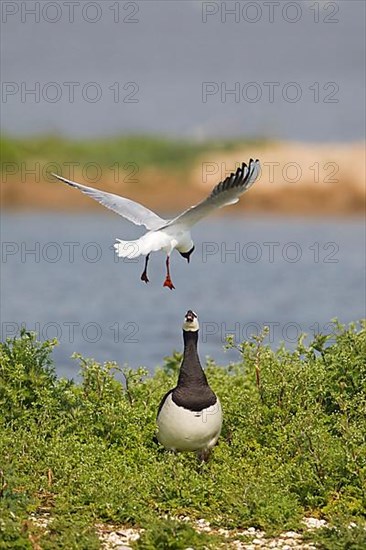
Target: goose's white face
pixel 191 321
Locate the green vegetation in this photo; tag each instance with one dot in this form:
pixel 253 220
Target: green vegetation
pixel 145 151
pixel 293 444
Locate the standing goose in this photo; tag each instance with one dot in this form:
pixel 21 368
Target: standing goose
pixel 189 416
pixel 167 235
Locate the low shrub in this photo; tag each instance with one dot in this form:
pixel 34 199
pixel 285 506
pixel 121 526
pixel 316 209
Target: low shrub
pixel 293 444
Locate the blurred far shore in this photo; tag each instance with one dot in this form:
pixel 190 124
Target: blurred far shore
pixel 168 175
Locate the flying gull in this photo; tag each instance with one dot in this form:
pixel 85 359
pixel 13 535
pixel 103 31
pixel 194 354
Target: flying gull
pixel 167 235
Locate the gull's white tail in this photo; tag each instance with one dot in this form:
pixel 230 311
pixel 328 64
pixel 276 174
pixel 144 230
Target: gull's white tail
pixel 150 242
pixel 128 249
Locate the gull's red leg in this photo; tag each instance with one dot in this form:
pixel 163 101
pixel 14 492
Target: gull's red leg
pixel 144 276
pixel 168 281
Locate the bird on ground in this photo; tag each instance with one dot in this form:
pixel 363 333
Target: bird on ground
pixel 167 235
pixel 189 416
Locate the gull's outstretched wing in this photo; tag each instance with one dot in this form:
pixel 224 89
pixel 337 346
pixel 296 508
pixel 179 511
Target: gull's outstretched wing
pixel 225 193
pixel 131 210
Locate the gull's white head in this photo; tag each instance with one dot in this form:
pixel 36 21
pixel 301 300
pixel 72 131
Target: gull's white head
pixel 191 322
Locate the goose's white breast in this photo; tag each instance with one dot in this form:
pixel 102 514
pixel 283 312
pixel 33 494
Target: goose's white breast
pixel 184 430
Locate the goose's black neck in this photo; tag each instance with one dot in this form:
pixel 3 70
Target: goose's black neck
pixel 192 391
pixel 191 373
pixel 190 338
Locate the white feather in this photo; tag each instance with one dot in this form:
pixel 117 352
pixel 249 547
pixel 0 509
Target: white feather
pixel 184 430
pixel 131 210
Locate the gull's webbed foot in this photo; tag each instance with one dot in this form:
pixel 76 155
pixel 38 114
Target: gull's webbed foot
pixel 168 283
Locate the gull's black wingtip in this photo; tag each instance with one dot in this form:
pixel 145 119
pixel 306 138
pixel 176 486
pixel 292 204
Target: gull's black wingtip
pixel 249 165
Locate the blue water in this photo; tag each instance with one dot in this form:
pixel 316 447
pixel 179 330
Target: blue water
pixel 297 74
pixel 60 277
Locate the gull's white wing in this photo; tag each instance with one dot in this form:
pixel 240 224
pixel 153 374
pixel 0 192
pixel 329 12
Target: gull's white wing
pixel 225 193
pixel 131 210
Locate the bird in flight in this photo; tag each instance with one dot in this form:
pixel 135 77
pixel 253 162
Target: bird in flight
pixel 167 235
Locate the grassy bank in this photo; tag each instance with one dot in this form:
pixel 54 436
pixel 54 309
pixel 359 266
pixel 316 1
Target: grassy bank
pixel 145 151
pixel 293 444
pixel 170 174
